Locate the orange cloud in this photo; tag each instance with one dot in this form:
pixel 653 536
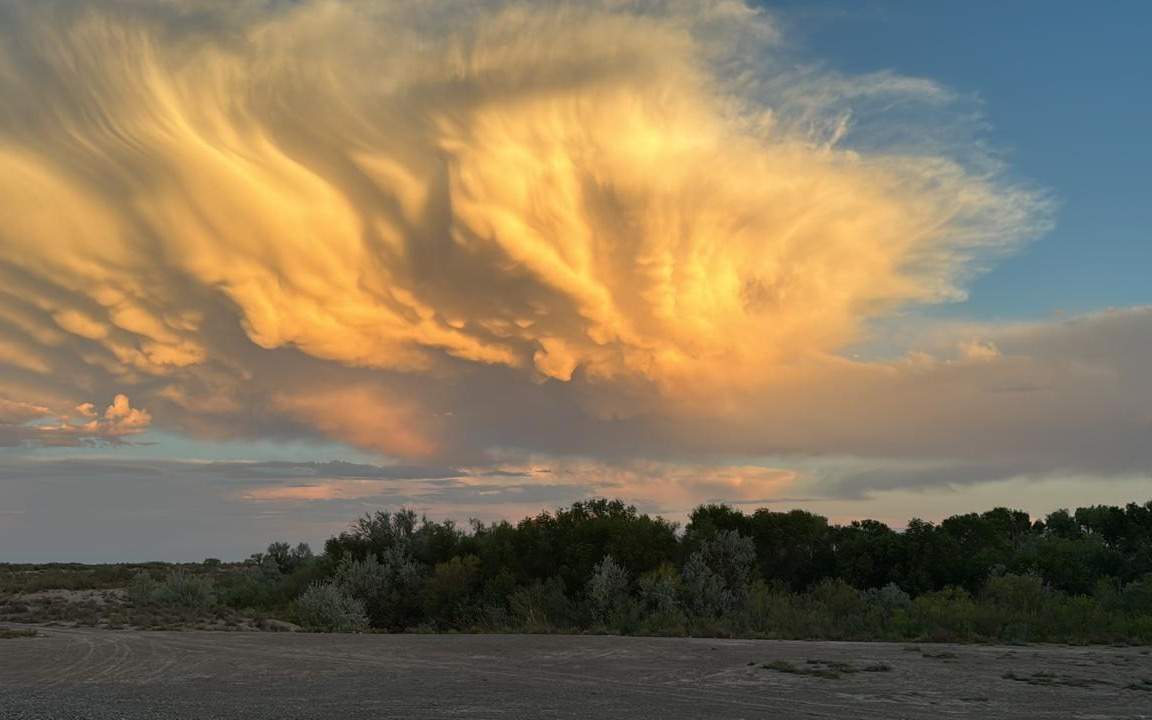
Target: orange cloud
pixel 640 201
pixel 23 423
pixel 363 416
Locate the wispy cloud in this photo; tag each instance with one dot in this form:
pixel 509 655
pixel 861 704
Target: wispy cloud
pixel 276 220
pixel 541 251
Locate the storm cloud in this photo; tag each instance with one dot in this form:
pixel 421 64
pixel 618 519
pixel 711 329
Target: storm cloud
pixel 612 237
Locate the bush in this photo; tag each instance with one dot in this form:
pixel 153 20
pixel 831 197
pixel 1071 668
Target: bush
pixel 390 588
pixel 660 590
pixel 608 592
pixel 1020 594
pixel 178 589
pixel 949 615
pixel 716 577
pixel 541 607
pixel 325 607
pixel 889 598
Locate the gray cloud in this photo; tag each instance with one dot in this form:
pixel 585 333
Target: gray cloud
pixel 102 509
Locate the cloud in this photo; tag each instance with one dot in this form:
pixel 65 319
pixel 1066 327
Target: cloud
pixel 337 218
pixel 24 424
pixel 611 239
pixel 105 509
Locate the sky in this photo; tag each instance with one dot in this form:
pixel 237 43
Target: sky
pixel 266 266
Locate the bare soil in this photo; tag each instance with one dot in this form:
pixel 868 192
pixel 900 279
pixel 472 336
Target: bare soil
pixel 85 673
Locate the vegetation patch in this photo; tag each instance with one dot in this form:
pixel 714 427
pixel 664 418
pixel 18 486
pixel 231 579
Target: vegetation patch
pixel 601 566
pixel 1050 679
pixel 827 669
pixel 14 633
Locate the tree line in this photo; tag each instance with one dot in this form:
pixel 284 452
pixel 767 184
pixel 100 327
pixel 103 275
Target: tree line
pixel 602 565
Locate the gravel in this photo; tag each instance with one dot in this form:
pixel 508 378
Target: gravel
pixel 124 675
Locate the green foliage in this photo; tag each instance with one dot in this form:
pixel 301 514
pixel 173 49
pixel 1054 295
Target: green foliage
pixel 284 558
pixel 602 564
pixel 390 587
pixel 325 607
pixel 179 589
pixel 543 606
pixel 716 577
pixel 608 592
pixel 452 591
pixel 1075 576
pixel 67 576
pixel 570 542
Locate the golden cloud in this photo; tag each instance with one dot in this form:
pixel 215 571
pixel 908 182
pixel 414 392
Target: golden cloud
pixel 630 193
pixel 22 423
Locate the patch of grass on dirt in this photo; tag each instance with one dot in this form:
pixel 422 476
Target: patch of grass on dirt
pixel 942 655
pixel 115 612
pixel 877 667
pixel 1144 685
pixel 1050 679
pixel 827 669
pixel 13 633
pixel 781 666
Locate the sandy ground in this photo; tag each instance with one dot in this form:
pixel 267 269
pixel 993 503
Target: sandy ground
pixel 77 673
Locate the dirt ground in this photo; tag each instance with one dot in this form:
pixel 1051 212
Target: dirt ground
pixel 92 673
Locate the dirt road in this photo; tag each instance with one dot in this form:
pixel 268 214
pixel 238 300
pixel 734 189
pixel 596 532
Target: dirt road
pixel 97 674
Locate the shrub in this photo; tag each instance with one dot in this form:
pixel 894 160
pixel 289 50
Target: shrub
pixel 326 607
pixel 836 611
pixel 1136 596
pixel 1021 594
pixel 608 591
pixel 141 589
pixel 716 577
pixel 888 598
pixel 178 589
pixel 541 607
pixel 390 588
pixel 947 615
pixel 659 590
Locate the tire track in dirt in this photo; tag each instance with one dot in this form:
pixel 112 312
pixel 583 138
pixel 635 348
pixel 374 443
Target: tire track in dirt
pixel 545 677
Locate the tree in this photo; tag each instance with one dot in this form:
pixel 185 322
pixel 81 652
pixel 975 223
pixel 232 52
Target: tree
pixel 451 593
pixel 794 547
pixel 716 577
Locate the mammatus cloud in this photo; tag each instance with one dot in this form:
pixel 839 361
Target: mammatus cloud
pixel 470 233
pixel 28 425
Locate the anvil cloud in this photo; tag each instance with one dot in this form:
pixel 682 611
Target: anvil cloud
pixel 473 232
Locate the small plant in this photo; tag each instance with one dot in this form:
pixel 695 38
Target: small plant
pixel 1047 679
pixel 877 667
pixel 781 666
pixel 827 669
